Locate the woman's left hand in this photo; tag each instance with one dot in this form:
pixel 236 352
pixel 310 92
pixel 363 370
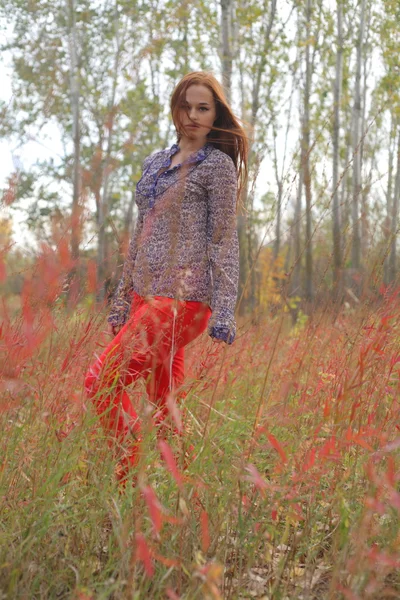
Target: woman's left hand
pixel 217 341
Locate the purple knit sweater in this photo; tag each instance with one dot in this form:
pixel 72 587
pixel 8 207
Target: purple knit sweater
pixel 185 244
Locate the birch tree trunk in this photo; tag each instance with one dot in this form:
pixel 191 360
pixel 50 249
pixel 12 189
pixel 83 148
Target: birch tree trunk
pixel 345 198
pixel 104 199
pixel 262 61
pixel 356 245
pixel 242 215
pixel 395 218
pixel 265 37
pixel 76 133
pixel 364 220
pixel 296 288
pixel 279 176
pixel 336 226
pixel 305 154
pixel 388 222
pixel 227 54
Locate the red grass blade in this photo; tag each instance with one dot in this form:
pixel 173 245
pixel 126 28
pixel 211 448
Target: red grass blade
pixel 154 508
pixel 275 444
pixel 205 533
pixel 144 554
pixel 169 458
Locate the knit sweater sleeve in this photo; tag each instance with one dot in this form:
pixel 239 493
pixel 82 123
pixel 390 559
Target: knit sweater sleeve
pixel 122 298
pixel 223 249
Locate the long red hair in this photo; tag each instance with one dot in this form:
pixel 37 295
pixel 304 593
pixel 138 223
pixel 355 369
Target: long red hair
pixel 226 134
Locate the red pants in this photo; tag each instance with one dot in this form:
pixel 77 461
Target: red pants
pixel 151 345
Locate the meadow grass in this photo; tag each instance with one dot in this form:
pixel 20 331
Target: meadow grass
pixel 293 491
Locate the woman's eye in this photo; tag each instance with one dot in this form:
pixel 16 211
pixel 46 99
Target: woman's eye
pixel 186 107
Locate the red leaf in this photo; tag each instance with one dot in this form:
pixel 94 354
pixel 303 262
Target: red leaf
pixel 275 444
pixel 256 478
pixel 169 458
pixel 168 562
pixel 327 408
pixel 91 277
pixel 174 412
pixel 65 363
pixel 144 554
pixel 205 534
pixel 154 507
pixel 309 460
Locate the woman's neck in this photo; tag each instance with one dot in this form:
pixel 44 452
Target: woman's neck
pixel 187 146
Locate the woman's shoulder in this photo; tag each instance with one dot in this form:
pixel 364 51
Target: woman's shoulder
pixel 221 163
pixel 153 157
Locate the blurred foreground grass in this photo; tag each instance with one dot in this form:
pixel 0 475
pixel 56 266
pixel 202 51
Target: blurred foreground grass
pixel 293 493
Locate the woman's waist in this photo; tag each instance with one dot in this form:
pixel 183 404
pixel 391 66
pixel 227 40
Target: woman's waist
pixel 173 283
pixel 178 263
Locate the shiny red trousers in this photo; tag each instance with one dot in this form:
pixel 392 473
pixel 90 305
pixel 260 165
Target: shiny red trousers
pixel 150 345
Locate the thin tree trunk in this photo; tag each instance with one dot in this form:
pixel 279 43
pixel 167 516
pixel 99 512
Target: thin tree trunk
pixel 266 36
pixel 388 221
pixel 337 250
pixel 365 193
pixel 277 243
pixel 185 38
pixel 263 61
pixel 227 54
pixel 356 246
pixel 296 288
pixel 242 216
pixel 345 190
pixel 76 137
pixel 104 200
pixel 306 161
pixel 395 217
pixel 280 177
pixel 251 243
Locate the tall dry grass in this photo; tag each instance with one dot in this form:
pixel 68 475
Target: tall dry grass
pixel 293 491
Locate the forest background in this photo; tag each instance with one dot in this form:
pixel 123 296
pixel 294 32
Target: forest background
pixel 303 499
pixel 319 94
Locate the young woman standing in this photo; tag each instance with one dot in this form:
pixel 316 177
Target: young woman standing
pixel 181 272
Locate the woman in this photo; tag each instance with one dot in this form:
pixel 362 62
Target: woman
pixel 181 272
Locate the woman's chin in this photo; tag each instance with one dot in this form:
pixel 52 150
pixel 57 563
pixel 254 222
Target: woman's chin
pixel 194 134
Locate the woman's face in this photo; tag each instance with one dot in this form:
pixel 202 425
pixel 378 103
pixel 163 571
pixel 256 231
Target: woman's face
pixel 198 110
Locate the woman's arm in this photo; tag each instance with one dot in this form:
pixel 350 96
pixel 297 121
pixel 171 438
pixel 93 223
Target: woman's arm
pixel 223 249
pixel 122 298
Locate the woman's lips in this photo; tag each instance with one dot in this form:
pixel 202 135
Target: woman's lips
pixel 194 126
